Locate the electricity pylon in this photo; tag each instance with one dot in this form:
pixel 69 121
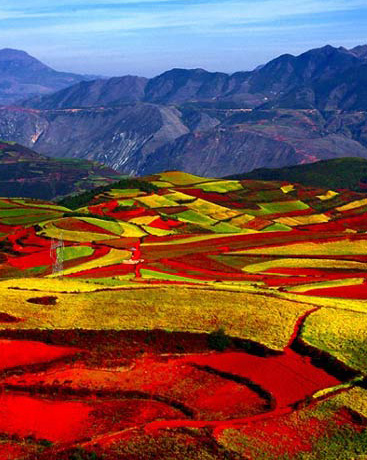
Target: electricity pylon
pixel 57 254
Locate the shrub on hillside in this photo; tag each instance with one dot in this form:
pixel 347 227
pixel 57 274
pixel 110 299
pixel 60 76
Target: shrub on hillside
pixel 218 340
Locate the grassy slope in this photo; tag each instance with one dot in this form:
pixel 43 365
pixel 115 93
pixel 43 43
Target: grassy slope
pixel 334 174
pixel 26 173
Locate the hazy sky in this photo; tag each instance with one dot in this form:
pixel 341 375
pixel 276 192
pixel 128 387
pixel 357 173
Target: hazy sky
pixel 146 37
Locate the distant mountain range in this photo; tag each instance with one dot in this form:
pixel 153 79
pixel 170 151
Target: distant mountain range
pixel 324 78
pixel 292 110
pixel 25 173
pixel 23 76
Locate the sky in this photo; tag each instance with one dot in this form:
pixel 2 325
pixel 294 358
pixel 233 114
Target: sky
pixel 147 37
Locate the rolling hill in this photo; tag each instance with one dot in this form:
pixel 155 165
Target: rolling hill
pixel 177 316
pixel 341 173
pixel 25 173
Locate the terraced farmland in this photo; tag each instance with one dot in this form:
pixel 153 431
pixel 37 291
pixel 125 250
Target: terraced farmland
pixel 181 318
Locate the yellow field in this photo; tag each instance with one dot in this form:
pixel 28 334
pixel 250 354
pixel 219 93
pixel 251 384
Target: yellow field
pixel 156 201
pixel 328 195
pixel 211 209
pixel 179 197
pixel 328 248
pixel 287 188
pixel 50 230
pixel 303 220
pixel 327 284
pixel 143 220
pixel 342 333
pixel 221 186
pixel 355 399
pixel 157 231
pixel 115 256
pixel 352 205
pixel 182 178
pixel 265 319
pixel 305 263
pixel 241 220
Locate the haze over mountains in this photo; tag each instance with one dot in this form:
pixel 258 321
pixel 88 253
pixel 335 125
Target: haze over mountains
pixel 293 110
pixel 22 75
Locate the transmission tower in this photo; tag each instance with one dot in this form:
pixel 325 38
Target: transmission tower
pixel 57 254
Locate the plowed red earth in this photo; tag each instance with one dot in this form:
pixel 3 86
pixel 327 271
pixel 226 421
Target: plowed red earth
pixel 10 450
pixel 282 436
pixel 205 396
pixel 77 225
pixel 290 435
pixel 66 421
pixel 73 401
pixel 358 291
pixel 165 224
pixel 193 390
pixel 288 377
pixel 36 259
pixel 21 352
pixel 53 420
pixel 101 272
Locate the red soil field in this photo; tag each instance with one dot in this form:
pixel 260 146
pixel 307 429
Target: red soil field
pixel 203 381
pixel 300 276
pixel 77 225
pixel 240 242
pixel 291 435
pixel 66 420
pixel 102 272
pixel 279 436
pixel 203 261
pixel 21 352
pixel 193 271
pixel 165 224
pixel 155 390
pixel 36 259
pixel 10 450
pixel 208 196
pixel 288 377
pixel 121 243
pixel 258 223
pixel 103 208
pixel 60 421
pixel 7 228
pixel 345 292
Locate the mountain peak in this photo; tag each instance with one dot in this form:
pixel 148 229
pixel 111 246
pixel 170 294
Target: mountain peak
pixel 7 54
pixel 359 51
pixel 23 76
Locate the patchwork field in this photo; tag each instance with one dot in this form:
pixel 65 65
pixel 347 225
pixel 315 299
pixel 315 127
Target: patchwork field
pixel 177 317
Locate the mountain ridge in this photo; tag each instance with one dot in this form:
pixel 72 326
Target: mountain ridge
pixel 274 80
pixel 293 109
pixel 23 76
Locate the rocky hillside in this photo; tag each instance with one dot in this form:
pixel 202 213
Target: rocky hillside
pixel 145 138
